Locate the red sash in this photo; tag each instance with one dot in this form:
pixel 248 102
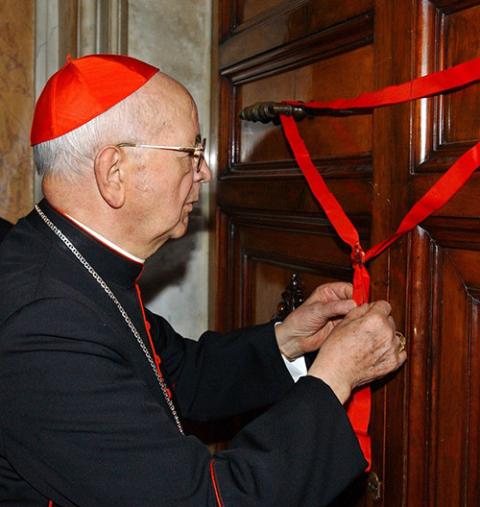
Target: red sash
pixel 440 193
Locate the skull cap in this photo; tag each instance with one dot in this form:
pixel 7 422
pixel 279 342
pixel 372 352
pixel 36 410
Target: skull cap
pixel 85 88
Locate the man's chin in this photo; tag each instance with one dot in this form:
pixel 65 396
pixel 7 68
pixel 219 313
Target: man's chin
pixel 180 229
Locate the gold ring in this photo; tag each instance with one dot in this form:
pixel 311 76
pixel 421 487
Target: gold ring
pixel 403 341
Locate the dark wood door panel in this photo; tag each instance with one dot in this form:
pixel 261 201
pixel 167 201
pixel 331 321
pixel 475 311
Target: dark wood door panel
pixel 426 418
pixel 327 136
pixel 290 194
pixel 445 127
pixel 266 280
pixel 251 27
pixel 318 68
pixel 461 42
pixel 444 383
pixel 262 253
pixel 248 9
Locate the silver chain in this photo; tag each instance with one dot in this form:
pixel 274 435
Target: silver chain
pixel 120 308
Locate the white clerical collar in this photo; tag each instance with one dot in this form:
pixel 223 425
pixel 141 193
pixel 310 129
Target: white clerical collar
pixel 106 241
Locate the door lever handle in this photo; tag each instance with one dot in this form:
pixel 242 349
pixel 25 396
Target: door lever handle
pixel 266 112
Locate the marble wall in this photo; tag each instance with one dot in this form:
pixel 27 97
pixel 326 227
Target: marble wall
pixel 16 106
pixel 176 36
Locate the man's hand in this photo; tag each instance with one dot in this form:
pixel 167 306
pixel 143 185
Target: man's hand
pixel 307 327
pixel 362 348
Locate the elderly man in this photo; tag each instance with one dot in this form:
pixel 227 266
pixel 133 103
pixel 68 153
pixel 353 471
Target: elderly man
pixel 93 387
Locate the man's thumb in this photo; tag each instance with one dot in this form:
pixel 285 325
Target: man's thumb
pixel 357 312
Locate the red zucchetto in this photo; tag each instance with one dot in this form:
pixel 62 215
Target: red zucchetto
pixel 83 89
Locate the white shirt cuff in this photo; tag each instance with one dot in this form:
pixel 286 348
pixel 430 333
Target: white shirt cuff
pixel 296 368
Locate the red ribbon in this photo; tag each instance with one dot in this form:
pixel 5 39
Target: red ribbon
pixel 440 193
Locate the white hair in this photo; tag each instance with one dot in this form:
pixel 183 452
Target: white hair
pixel 73 153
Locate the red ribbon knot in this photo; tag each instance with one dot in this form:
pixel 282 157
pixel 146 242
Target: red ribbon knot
pixel 358 255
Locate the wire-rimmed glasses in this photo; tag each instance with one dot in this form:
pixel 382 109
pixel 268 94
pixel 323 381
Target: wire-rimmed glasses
pixel 197 151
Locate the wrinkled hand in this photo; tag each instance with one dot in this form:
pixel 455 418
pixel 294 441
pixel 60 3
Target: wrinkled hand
pixel 362 348
pixel 307 327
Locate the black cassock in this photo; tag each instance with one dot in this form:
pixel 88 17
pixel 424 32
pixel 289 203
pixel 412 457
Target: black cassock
pixel 83 420
pixel 4 228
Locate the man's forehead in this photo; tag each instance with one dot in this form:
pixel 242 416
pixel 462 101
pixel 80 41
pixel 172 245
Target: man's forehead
pixel 167 88
pixel 174 104
pixel 175 111
pixel 178 129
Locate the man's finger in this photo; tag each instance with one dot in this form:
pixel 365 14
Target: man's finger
pixel 331 292
pixel 336 308
pixel 340 290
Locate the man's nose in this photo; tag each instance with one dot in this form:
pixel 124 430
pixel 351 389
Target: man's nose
pixel 204 175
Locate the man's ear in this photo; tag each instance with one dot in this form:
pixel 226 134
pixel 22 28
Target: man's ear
pixel 110 176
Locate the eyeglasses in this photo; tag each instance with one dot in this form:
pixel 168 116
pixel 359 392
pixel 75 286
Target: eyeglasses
pixel 197 151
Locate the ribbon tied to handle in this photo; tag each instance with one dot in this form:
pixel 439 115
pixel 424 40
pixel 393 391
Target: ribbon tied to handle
pixel 359 407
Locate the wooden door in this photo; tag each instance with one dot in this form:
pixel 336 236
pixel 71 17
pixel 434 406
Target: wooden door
pixel 426 419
